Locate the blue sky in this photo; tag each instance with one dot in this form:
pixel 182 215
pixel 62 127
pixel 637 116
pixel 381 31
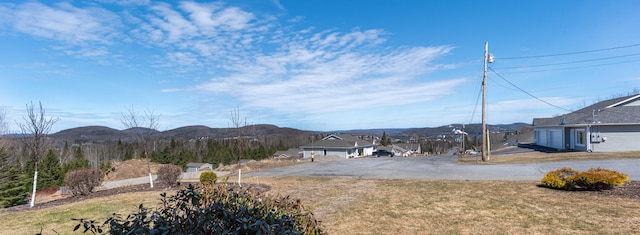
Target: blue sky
pixel 313 65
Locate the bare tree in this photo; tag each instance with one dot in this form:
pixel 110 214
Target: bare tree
pixel 239 125
pixel 143 127
pixel 35 129
pixel 4 126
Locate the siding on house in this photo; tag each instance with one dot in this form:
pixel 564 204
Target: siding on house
pixel 345 146
pixel 607 126
pixel 193 166
pixel 618 138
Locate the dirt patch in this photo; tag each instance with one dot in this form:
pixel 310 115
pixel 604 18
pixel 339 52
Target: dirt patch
pixel 133 168
pixel 274 163
pixel 629 190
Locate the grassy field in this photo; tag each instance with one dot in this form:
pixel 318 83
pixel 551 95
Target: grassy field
pixel 369 206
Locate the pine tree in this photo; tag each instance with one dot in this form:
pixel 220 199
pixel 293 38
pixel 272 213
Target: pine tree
pixel 384 140
pixel 79 161
pixel 50 171
pixel 14 185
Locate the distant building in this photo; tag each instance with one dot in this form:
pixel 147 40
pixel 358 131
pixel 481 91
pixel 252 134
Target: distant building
pixel 607 126
pixel 195 166
pixel 345 146
pixel 292 152
pixel 406 149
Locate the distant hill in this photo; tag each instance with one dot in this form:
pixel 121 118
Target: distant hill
pixel 98 134
pixel 435 132
pixel 89 134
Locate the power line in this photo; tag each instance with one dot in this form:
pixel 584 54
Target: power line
pixel 475 107
pixel 571 62
pixel 535 97
pixel 569 53
pixel 578 67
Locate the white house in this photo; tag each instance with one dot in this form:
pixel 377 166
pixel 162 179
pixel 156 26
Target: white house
pixel 196 166
pixel 346 146
pixel 607 126
pixel 405 150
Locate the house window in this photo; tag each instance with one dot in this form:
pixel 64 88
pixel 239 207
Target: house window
pixel 580 137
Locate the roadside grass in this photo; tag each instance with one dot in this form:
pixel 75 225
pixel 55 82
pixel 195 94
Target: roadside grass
pixel 379 206
pixel 535 157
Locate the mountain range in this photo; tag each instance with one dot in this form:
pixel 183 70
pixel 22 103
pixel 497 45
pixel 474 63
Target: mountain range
pixel 103 133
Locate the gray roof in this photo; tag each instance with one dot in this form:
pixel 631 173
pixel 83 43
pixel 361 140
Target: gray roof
pixel 405 146
pixel 340 141
pixel 292 152
pixel 197 164
pixel 623 110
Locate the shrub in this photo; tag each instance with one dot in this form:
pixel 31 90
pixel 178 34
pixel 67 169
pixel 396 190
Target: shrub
pixel 559 179
pixel 169 173
pixel 599 179
pixel 216 209
pixel 82 181
pixel 592 179
pixel 208 177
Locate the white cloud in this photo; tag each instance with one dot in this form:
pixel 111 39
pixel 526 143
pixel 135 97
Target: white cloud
pixel 332 72
pixel 286 70
pixel 64 22
pixel 278 5
pixel 209 17
pixel 259 63
pixel 127 2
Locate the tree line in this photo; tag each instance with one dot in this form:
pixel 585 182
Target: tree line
pixel 16 166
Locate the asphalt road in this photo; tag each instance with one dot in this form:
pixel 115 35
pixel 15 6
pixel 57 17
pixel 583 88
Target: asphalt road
pixel 442 167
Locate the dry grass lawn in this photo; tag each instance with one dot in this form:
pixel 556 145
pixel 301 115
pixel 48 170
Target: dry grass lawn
pixel 533 157
pixel 57 220
pixel 370 206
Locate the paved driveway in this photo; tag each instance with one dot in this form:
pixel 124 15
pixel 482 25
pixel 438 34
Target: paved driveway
pixel 442 168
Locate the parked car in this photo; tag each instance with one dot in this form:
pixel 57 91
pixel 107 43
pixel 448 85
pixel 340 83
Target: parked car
pixel 383 152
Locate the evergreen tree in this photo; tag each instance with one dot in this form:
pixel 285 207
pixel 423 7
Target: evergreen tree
pixel 128 152
pixel 14 185
pixel 15 190
pixel 384 141
pixel 50 171
pixel 79 161
pixel 78 154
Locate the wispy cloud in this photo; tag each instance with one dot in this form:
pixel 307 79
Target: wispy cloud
pixel 275 68
pixel 261 62
pixel 64 22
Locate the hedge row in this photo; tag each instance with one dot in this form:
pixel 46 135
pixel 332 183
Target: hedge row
pixel 213 209
pixel 592 179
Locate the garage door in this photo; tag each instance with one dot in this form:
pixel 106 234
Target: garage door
pixel 555 139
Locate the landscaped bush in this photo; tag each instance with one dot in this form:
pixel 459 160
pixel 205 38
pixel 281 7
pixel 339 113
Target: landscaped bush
pixel 599 179
pixel 214 209
pixel 559 179
pixel 82 181
pixel 169 174
pixel 592 179
pixel 208 177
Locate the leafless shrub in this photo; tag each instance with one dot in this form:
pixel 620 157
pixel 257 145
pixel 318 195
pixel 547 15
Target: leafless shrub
pixel 82 181
pixel 169 173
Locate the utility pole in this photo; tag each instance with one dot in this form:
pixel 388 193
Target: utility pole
pixel 485 137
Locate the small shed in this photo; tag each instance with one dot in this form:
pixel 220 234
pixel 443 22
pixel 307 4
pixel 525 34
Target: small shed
pixel 197 166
